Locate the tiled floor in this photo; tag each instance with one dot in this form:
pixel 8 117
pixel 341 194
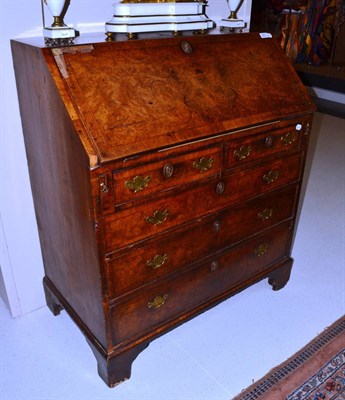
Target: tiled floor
pixel 221 352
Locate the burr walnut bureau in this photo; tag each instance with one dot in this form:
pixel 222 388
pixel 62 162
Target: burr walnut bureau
pixel 166 175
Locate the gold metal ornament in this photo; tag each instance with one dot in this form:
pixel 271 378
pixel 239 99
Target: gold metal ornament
pixel 261 250
pixel 271 176
pixel 265 214
pixel 157 261
pixel 157 302
pixel 204 164
pixel 243 152
pixel 289 138
pixel 158 217
pixel 138 183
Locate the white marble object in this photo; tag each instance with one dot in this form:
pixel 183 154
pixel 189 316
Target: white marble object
pixel 233 22
pixel 58 30
pixel 132 18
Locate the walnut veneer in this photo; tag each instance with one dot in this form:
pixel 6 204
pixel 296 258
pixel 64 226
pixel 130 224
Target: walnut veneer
pixel 166 176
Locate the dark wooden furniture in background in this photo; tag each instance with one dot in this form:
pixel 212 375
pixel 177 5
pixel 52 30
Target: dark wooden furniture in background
pixel 166 176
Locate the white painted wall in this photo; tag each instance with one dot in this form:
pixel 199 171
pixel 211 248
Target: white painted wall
pixel 21 262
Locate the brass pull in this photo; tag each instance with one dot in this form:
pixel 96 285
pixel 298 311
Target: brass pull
pixel 289 138
pixel 204 164
pixel 168 170
pixel 271 176
pixel 261 250
pixel 157 301
pixel 138 183
pixel 265 214
pixel 158 217
pixel 157 261
pixel 243 152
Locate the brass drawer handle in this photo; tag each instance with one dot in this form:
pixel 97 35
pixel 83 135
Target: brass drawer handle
pixel 168 170
pixel 204 164
pixel 271 176
pixel 243 152
pixel 261 250
pixel 157 302
pixel 158 217
pixel 289 138
pixel 265 214
pixel 138 183
pixel 157 261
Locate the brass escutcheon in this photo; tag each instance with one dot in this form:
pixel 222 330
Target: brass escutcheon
pixel 138 183
pixel 243 152
pixel 216 226
pixel 269 141
pixel 261 250
pixel 168 170
pixel 158 217
pixel 307 129
pixel 220 188
pixel 186 47
pixel 157 301
pixel 103 183
pixel 204 164
pixel 271 176
pixel 214 265
pixel 265 214
pixel 157 261
pixel 104 187
pixel 289 138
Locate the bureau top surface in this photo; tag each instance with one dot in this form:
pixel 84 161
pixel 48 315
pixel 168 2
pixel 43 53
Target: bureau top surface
pixel 135 96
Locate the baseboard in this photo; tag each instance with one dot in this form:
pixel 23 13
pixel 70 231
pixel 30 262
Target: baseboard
pixel 330 107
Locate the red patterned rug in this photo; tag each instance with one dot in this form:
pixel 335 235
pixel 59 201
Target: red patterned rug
pixel 317 372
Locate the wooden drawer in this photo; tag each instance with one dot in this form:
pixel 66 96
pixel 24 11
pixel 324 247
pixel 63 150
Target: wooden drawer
pixel 218 274
pixel 256 147
pixel 142 264
pixel 135 224
pixel 144 180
